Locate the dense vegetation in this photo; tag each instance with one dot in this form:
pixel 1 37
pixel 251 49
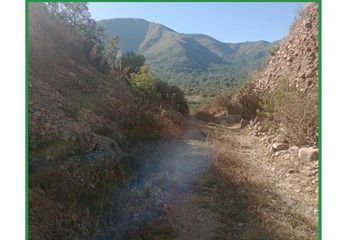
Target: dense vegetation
pixel 198 64
pixel 283 107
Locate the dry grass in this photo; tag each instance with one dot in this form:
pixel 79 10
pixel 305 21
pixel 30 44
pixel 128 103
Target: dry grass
pixel 249 201
pixel 204 116
pixel 293 110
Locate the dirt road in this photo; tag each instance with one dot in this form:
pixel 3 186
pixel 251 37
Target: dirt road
pixel 219 183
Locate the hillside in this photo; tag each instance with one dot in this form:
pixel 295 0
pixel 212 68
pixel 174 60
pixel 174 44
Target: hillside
pixel 296 56
pixel 85 124
pixel 198 63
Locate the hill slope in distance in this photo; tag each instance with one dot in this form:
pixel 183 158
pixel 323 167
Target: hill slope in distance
pixel 197 63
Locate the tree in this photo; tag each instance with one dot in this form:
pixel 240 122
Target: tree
pixel 75 14
pixel 131 62
pixel 144 83
pixel 92 33
pixel 172 97
pixel 111 52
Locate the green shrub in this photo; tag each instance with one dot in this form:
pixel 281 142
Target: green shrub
pixel 172 97
pixel 245 102
pixel 271 103
pixel 144 83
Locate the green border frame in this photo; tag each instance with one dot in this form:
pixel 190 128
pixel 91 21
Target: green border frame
pixel 186 1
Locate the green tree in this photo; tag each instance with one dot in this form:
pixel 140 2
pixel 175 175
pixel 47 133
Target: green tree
pixel 172 97
pixel 131 62
pixel 75 14
pixel 111 52
pixel 144 83
pixel 93 33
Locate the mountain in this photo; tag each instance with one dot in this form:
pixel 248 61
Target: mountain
pixel 197 63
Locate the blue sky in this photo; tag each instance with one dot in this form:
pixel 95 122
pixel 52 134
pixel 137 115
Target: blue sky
pixel 227 22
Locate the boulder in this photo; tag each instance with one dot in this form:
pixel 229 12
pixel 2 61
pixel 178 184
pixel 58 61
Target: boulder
pixel 279 146
pixel 308 154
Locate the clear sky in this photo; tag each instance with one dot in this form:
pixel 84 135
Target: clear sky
pixel 227 22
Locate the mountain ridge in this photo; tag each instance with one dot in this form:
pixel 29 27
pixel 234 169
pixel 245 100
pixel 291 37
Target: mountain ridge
pixel 191 61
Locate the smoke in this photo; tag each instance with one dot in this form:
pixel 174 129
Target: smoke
pixel 169 172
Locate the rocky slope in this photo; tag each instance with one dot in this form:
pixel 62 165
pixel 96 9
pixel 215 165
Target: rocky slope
pixel 295 58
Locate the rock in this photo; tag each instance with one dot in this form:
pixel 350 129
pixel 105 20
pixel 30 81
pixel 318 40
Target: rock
pixel 294 151
pixel 289 202
pixel 243 123
pixel 307 23
pixel 294 148
pixel 308 154
pixel 279 146
pixel 303 75
pixel 310 73
pixel 291 170
pixel 276 154
pixel 257 125
pixel 311 173
pixel 280 138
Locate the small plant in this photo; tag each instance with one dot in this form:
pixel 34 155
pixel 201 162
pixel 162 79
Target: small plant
pixel 296 111
pixel 221 103
pixel 245 102
pixel 144 83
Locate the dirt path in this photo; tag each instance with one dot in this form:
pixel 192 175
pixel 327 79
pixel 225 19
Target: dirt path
pixel 184 164
pixel 219 183
pixel 164 201
pixel 260 196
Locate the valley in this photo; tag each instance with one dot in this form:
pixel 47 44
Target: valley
pixel 137 131
pixel 197 63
